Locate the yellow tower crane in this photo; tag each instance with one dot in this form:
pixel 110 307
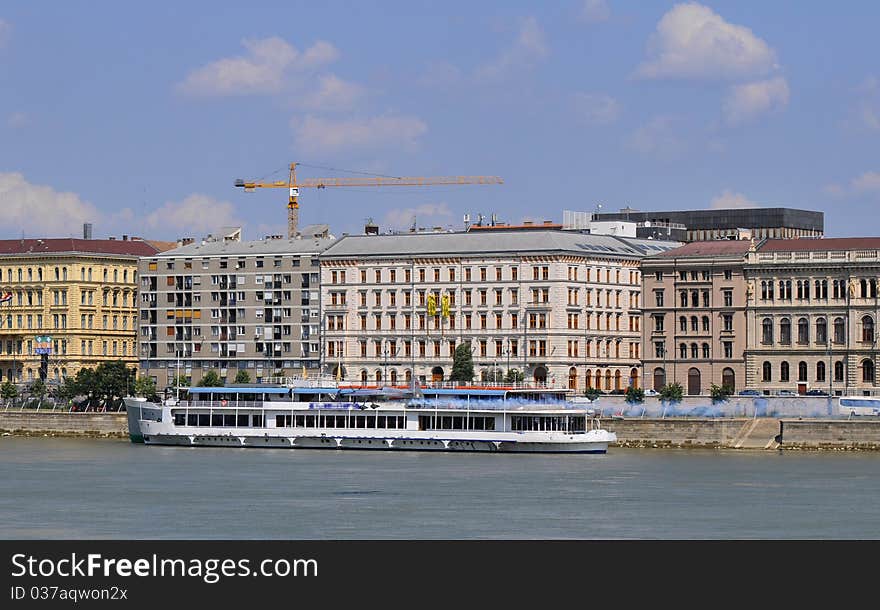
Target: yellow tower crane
pixel 294 184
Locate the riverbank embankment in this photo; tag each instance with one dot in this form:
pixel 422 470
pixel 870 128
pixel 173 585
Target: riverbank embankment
pixel 48 423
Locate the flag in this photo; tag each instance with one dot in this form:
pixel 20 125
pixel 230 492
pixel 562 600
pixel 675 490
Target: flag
pixel 444 306
pixel 7 296
pixel 432 305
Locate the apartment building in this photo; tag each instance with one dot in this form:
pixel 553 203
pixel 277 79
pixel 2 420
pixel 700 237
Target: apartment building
pixel 561 307
pixel 694 316
pixel 67 304
pixel 229 305
pixel 813 315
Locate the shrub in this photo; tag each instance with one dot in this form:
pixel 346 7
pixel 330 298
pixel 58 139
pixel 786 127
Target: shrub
pixel 635 395
pixel 720 393
pixel 593 393
pixel 672 392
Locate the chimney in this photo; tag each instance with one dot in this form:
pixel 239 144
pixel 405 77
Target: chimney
pixel 87 230
pixel 124 237
pixel 112 238
pixel 185 241
pixel 371 228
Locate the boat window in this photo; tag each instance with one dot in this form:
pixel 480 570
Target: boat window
pixel 257 421
pixel 243 421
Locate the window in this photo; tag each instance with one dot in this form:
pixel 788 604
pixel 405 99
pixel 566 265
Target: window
pixel 658 323
pixel 658 297
pixel 783 371
pixel 728 349
pixel 820 371
pixel 803 331
pixel 838 371
pixel 839 330
pixel 867 329
pixel 868 371
pixel 728 298
pixel 767 331
pixel 727 321
pixel 802 371
pixel 785 331
pixel 821 331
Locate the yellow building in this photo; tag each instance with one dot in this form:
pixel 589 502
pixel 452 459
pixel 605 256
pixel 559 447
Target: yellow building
pixel 76 298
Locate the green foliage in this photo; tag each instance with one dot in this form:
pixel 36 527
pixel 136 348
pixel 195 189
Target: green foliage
pixel 635 395
pixel 8 390
pixel 211 379
pixel 514 376
pixel 67 390
pixel 146 387
pixel 593 393
pixel 104 385
pixel 242 376
pixel 462 363
pixel 672 392
pixel 180 381
pixel 38 388
pixel 720 393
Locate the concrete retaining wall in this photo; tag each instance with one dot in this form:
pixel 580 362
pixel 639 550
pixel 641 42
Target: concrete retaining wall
pixel 831 434
pixel 39 423
pixel 709 433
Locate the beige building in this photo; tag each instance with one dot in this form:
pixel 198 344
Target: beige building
pixel 562 307
pixel 73 297
pixel 813 315
pixel 229 305
pixel 694 316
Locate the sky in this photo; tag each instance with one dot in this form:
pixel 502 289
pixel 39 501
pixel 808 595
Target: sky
pixel 138 118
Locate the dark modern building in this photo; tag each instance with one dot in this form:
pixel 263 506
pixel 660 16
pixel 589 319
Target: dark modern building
pixel 731 223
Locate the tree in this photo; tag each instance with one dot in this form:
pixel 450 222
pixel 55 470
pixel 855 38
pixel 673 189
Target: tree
pixel 672 392
pixel 514 376
pixel 8 390
pixel 593 393
pixel 720 394
pixel 67 390
pixel 38 388
pixel 105 385
pixel 462 363
pixel 635 395
pixel 242 376
pixel 146 387
pixel 211 380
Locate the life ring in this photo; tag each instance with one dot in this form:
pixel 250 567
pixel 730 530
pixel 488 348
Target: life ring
pixel 223 403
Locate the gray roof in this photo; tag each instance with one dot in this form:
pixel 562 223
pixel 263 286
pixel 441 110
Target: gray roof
pixel 243 248
pixel 494 242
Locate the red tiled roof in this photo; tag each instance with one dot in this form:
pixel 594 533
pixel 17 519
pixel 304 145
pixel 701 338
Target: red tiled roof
pixel 91 246
pixel 820 244
pixel 717 247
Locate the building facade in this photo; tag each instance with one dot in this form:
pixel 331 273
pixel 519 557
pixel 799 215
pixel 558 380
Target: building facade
pixel 560 307
pixel 813 316
pixel 72 299
pixel 230 306
pixel 704 225
pixel 694 316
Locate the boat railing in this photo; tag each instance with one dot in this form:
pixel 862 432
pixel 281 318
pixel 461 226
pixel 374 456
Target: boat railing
pixel 210 404
pixel 317 381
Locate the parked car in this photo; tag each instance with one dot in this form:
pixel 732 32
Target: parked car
pixel 651 392
pixel 817 393
pixel 786 393
pixel 750 393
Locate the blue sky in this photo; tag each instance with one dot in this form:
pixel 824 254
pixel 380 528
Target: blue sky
pixel 138 118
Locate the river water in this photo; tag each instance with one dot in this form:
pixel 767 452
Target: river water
pixel 89 488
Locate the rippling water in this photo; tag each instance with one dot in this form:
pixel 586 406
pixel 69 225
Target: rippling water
pixel 72 488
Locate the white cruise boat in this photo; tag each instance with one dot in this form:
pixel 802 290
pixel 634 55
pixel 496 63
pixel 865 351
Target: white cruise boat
pixel 326 415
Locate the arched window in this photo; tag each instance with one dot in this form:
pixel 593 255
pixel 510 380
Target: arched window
pixel 588 379
pixel 820 371
pixel 838 371
pixel 803 331
pixel 868 371
pixel 608 379
pixel 802 371
pixel 39 274
pixel 683 324
pixel 683 349
pixel 705 351
pixel 767 331
pixel 705 321
pixel 728 378
pixel 634 378
pixel 695 352
pixel 839 330
pixel 617 377
pixel 364 376
pixel 694 326
pixel 64 273
pixel 378 376
pixel 783 371
pixel 785 331
pixel 695 298
pixel 82 274
pixel 694 384
pixel 864 288
pixel 683 298
pixel 821 331
pixel 659 378
pixel 867 329
pixel 57 273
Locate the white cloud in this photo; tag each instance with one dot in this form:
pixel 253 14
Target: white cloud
pixel 41 210
pixel 694 42
pixel 332 94
pixel 750 100
pixel 197 214
pixel 17 120
pixel 729 199
pixel 425 215
pixel 5 32
pixel 657 138
pixel 596 108
pixel 440 74
pixel 869 182
pixel 525 52
pixel 326 136
pixel 594 11
pixel 262 70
